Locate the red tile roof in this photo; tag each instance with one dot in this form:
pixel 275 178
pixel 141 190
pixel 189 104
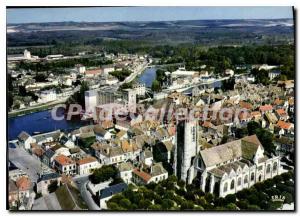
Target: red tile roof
pixel 281 112
pixel 143 175
pixel 265 108
pixel 245 105
pixel 63 160
pixel 278 101
pixel 23 183
pixel 86 160
pixel 284 125
pixel 255 113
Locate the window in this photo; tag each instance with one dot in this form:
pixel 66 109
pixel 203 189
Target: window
pixel 239 181
pixel 225 187
pixel 232 185
pixel 274 166
pixel 252 176
pixel 260 168
pixel 246 179
pixel 193 134
pixel 269 168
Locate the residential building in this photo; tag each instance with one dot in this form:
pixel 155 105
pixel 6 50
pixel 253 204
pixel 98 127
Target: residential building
pixel 45 180
pixel 48 96
pixel 87 165
pixel 25 140
pixel 65 165
pixel 155 173
pixel 106 193
pixel 125 172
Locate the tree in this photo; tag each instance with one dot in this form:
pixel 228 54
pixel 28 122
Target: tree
pixel 224 139
pixel 155 86
pixel 241 132
pixel 242 204
pixel 125 203
pixel 252 126
pixel 187 205
pixel 113 206
pixel 230 198
pixel 266 139
pixel 181 183
pixel 288 197
pixel 53 186
pixel 144 204
pixel 167 204
pixel 104 173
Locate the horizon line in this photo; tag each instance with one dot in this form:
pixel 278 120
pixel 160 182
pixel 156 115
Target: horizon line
pixel 141 21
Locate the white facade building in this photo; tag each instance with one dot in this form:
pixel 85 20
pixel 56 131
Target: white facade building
pixel 87 165
pixel 231 167
pixel 139 88
pixel 48 95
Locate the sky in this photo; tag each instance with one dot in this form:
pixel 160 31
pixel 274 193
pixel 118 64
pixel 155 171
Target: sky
pixel 114 14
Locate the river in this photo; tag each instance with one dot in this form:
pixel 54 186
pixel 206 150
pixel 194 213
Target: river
pixel 43 122
pixel 39 122
pixel 148 76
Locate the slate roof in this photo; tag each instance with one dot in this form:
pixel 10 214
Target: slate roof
pixel 99 130
pixel 48 176
pixel 125 167
pixel 49 153
pixel 245 147
pixel 54 134
pixel 114 189
pixel 157 169
pixel 23 136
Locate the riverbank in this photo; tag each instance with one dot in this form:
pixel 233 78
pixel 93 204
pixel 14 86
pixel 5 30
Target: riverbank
pixel 31 110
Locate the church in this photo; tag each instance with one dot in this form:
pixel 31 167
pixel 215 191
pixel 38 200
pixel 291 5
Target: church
pixel 231 167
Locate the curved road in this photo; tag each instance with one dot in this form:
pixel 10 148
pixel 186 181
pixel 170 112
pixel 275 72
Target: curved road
pixel 82 181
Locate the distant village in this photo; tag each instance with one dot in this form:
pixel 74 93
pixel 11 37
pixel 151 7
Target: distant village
pixel 84 168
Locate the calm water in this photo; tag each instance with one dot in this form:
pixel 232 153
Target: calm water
pixel 148 76
pixel 39 122
pixel 43 122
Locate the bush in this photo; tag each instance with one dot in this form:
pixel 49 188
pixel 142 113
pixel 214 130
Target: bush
pixel 253 207
pixel 103 174
pixel 198 208
pixel 187 205
pixel 242 204
pixel 209 197
pixel 144 204
pixel 231 206
pixel 230 198
pixel 113 206
pixel 220 201
pixel 155 207
pixel 278 179
pixel 181 183
pixel 167 204
pixel 289 198
pixel 287 176
pixel 125 203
